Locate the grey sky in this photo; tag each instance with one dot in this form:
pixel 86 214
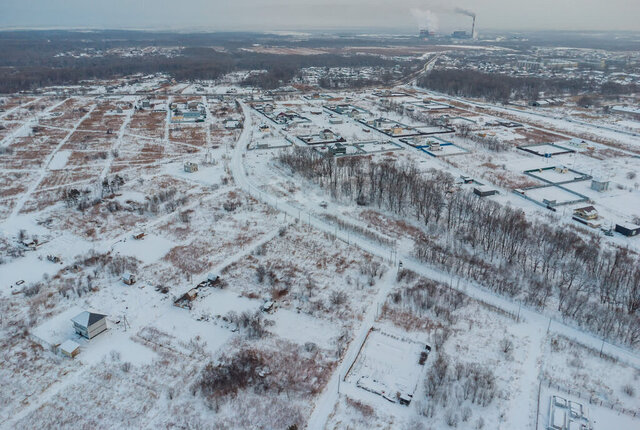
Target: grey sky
pixel 317 14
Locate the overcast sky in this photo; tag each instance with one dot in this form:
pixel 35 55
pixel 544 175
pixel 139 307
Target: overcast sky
pixel 219 15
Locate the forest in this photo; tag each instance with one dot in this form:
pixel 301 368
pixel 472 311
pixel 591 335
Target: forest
pixel 572 272
pixel 28 62
pixel 501 88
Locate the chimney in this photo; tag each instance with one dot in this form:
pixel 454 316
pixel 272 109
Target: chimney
pixel 473 28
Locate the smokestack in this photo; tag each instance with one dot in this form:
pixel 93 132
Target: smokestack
pixel 473 28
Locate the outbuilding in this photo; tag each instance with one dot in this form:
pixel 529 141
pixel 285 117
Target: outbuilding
pixel 129 278
pixel 484 191
pixel 599 185
pixel 184 301
pixel 190 167
pixel 628 229
pixel 89 324
pixel 70 348
pixel 339 149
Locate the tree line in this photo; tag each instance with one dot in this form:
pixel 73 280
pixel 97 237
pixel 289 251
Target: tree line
pixel 27 64
pixel 594 284
pixel 502 88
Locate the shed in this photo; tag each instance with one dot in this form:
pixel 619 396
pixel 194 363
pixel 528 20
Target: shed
pixel 184 301
pixel 628 229
pixel 267 306
pixel 70 348
pixel 339 148
pixel 599 185
pixel 190 167
pixel 129 278
pixel 138 235
pixel 484 191
pixel 89 324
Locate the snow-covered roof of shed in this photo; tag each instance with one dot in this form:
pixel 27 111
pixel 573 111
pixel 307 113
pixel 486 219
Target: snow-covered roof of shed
pixel 69 346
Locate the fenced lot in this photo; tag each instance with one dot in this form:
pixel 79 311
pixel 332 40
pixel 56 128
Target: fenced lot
pixel 387 365
pixel 546 150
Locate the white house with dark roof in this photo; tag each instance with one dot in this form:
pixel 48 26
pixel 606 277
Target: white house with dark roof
pixel 89 324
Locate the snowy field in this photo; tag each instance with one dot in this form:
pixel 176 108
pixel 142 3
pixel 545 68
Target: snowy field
pixel 313 322
pixel 387 365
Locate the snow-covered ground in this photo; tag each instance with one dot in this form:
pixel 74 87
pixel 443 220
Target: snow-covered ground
pixel 313 312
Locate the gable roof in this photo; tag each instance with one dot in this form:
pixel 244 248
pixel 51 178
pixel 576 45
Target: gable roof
pixel 87 319
pixel 586 209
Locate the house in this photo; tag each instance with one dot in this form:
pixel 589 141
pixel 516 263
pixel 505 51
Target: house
pixel 339 149
pixel 184 301
pixel 89 324
pixel 628 229
pixel 326 134
pixel 396 129
pixel 587 213
pixel 354 113
pixel 232 124
pixel 128 278
pixel 335 121
pixel 69 348
pixel 562 169
pixel 599 186
pixel 484 191
pixel 212 280
pixel 435 146
pixel 190 167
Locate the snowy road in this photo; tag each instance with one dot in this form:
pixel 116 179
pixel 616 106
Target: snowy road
pixel 528 115
pixel 44 170
pixel 537 322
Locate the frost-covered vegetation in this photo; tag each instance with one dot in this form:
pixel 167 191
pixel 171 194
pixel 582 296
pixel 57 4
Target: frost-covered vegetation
pixel 590 282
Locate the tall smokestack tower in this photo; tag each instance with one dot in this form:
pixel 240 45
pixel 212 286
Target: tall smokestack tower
pixel 473 28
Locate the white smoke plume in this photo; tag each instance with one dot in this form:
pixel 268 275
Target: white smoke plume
pixel 461 11
pixel 426 19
